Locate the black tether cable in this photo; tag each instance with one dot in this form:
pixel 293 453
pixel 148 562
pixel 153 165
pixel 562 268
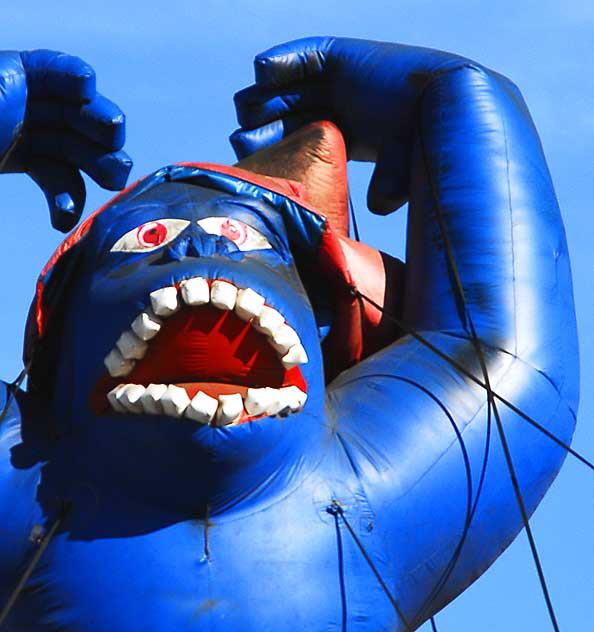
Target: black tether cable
pixel 64 511
pixel 459 288
pixel 433 626
pixel 353 219
pixel 343 597
pixel 13 387
pixel 411 332
pixel 449 569
pixel 336 509
pixel 514 480
pixel 471 503
pixel 17 134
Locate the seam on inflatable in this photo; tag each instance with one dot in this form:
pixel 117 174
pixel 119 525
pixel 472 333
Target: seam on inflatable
pixel 456 67
pixel 511 230
pixel 345 447
pixel 222 518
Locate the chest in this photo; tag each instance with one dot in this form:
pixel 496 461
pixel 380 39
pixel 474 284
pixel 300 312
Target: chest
pixel 290 566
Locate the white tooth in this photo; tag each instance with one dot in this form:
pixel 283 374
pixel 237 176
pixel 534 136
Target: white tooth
pixel 294 356
pixel 146 325
pixel 249 304
pixel 284 338
pixel 229 410
pixel 257 400
pixel 293 397
pixel 268 321
pixel 174 401
pixel 195 291
pixel 131 346
pixel 129 397
pixel 223 294
pixel 164 301
pixel 117 365
pixel 112 397
pixel 276 404
pixel 202 408
pixel 150 399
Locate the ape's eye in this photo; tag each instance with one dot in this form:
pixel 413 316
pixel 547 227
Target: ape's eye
pixel 243 236
pixel 150 236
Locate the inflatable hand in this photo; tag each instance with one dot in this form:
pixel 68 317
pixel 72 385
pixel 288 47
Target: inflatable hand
pixel 370 89
pixel 53 123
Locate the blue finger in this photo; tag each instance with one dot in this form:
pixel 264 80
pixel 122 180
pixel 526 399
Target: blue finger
pixel 262 113
pixel 293 61
pixel 246 142
pixel 101 120
pixel 257 106
pixel 54 74
pixel 109 170
pixel 64 190
pixel 389 188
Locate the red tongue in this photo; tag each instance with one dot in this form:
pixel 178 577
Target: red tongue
pixel 206 344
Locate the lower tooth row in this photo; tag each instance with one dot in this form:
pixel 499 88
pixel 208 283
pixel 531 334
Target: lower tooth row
pixel 173 401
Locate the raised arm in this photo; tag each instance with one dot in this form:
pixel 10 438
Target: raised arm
pixel 455 140
pixel 486 253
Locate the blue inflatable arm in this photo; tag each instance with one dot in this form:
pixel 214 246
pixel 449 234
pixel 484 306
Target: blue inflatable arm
pixel 54 123
pixel 486 266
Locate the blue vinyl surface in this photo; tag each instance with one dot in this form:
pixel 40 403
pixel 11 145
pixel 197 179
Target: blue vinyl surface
pixel 175 526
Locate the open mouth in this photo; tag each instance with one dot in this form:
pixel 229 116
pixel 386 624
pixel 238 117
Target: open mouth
pixel 208 351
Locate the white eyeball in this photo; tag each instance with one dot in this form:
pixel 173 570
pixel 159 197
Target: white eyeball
pixel 243 236
pixel 150 235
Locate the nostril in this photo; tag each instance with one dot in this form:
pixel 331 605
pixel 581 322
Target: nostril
pixel 206 245
pixel 175 251
pixel 194 248
pixel 201 245
pixel 171 253
pixel 225 246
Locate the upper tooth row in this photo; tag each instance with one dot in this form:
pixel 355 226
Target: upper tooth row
pixel 171 400
pixel 246 304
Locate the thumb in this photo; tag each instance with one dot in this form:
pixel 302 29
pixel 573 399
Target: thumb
pixel 390 182
pixel 64 190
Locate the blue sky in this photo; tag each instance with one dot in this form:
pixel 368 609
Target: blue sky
pixel 173 68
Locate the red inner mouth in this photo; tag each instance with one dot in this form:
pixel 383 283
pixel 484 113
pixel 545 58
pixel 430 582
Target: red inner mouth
pixel 204 348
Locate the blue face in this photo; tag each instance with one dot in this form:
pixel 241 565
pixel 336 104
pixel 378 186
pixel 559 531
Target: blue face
pixel 190 364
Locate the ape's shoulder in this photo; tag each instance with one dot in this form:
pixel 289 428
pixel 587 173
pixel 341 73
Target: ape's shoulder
pixel 12 402
pixel 21 446
pixel 19 478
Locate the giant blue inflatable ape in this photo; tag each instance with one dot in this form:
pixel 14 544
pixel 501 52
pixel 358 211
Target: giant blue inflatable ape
pixel 237 418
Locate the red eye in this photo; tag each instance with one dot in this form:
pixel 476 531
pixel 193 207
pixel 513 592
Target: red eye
pixel 235 231
pixel 152 234
pixel 242 235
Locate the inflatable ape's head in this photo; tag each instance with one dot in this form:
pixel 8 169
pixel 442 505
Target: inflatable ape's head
pixel 179 329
